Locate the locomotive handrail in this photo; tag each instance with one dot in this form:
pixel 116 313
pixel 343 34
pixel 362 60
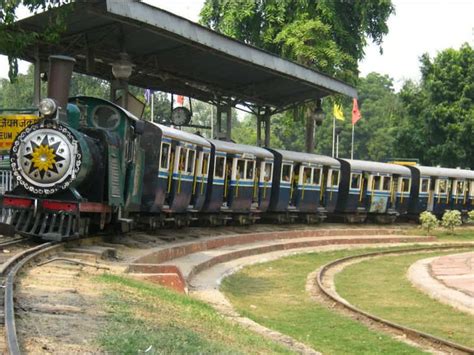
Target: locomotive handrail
pixel 403 188
pixel 170 172
pixel 195 175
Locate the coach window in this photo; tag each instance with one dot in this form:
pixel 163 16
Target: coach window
pixel 240 169
pixel 459 187
pixel 425 185
pixel 165 155
pixel 375 183
pixel 286 172
pixel 333 178
pixel 205 164
pixel 472 188
pixel 250 168
pixel 267 172
pixel 441 186
pixel 355 181
pixel 182 159
pixel 316 176
pixel 219 168
pixel 190 161
pixel 386 183
pixel 306 175
pixel 404 185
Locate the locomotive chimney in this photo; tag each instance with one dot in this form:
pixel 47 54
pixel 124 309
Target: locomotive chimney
pixel 59 79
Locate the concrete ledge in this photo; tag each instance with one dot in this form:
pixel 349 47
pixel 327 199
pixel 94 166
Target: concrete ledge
pixel 177 251
pixel 191 258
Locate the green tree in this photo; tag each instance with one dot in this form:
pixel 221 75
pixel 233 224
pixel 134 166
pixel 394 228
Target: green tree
pixel 20 93
pixel 327 35
pixel 439 124
pixel 13 40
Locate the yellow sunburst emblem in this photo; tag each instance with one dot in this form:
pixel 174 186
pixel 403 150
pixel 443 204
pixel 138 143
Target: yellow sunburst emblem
pixel 43 157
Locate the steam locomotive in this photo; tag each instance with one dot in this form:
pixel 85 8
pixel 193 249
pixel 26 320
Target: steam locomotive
pixel 89 165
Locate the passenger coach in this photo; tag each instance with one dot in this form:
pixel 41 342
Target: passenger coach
pixel 305 186
pixel 439 189
pixel 371 189
pixel 241 183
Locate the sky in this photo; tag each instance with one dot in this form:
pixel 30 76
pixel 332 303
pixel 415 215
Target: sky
pixel 419 26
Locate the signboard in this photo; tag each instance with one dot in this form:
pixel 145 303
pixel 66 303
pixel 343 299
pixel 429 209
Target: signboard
pixel 378 204
pixel 11 125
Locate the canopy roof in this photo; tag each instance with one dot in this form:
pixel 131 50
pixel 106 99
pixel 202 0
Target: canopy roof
pixel 173 54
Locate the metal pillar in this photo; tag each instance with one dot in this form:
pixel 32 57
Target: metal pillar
pixel 122 86
pixel 259 130
pixel 266 119
pixel 263 122
pixel 224 111
pixel 309 146
pixel 37 79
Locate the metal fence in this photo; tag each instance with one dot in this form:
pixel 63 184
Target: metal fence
pixel 6 181
pixel 6 184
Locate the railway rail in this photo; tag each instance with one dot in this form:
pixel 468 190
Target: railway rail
pixel 8 272
pixel 418 336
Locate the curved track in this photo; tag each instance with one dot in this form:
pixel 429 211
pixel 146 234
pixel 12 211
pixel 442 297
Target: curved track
pixel 413 333
pixel 9 272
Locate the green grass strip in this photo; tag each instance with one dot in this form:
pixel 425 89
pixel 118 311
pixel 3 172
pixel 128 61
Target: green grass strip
pixel 380 286
pixel 461 234
pixel 142 316
pixel 273 294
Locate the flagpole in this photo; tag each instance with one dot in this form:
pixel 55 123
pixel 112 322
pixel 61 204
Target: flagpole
pixel 352 146
pixel 333 133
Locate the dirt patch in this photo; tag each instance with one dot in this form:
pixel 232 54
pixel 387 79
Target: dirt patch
pixel 59 309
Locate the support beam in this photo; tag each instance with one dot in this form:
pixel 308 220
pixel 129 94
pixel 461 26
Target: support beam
pixel 224 111
pixel 309 146
pixel 37 79
pixel 267 117
pixel 259 130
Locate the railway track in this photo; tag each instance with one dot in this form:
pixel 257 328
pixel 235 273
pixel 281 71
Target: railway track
pixel 322 282
pixel 8 272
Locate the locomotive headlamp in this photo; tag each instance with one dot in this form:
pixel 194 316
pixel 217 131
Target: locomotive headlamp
pixel 47 107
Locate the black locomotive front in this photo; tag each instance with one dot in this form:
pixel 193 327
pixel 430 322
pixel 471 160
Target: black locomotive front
pixel 54 166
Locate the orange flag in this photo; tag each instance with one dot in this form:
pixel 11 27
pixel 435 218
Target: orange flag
pixel 180 100
pixel 355 111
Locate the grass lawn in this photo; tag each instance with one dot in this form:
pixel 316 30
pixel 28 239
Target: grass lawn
pixel 144 317
pixel 380 286
pixel 461 234
pixel 273 294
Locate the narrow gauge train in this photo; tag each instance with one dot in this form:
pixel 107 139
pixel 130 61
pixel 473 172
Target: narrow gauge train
pixel 88 165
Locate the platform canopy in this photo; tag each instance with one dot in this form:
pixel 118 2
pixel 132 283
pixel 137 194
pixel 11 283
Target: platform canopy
pixel 172 54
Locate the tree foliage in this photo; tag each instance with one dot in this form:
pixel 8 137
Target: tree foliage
pixel 439 124
pixel 13 40
pixel 327 35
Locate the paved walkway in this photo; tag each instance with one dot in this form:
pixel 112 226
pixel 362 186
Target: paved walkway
pixel 449 279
